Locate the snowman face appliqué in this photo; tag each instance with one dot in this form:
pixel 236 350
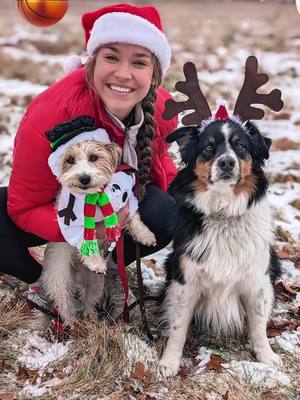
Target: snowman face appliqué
pixel 122 194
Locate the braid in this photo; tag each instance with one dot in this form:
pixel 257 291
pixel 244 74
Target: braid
pixel 144 138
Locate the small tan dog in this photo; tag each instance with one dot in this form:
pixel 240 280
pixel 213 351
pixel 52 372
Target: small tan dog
pixel 85 168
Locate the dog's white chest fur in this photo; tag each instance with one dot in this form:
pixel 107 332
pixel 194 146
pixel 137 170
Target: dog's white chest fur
pixel 226 257
pixel 230 247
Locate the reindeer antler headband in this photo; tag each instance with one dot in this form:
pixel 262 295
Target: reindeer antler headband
pixel 243 107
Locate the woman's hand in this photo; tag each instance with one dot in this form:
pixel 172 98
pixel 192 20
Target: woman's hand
pixel 123 218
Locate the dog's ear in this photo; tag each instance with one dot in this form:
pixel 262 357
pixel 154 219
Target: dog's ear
pixel 186 138
pixel 261 144
pixel 116 153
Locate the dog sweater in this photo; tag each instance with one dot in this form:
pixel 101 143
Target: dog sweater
pixel 70 206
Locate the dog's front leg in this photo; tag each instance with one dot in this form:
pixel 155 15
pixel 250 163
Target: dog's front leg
pixel 258 302
pixel 57 279
pixel 140 232
pixel 179 306
pixel 92 292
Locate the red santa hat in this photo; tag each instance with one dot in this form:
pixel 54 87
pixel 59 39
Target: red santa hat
pixel 124 23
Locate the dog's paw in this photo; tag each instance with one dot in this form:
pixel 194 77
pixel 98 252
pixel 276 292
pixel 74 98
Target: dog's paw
pixel 269 357
pixel 95 264
pixel 168 368
pixel 100 268
pixel 148 239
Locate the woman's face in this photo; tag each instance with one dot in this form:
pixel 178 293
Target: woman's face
pixel 122 76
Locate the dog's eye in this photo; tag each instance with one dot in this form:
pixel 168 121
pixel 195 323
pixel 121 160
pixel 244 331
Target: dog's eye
pixel 70 160
pixel 239 146
pixel 93 158
pixel 209 147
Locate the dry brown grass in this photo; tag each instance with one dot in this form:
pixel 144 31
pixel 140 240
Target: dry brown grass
pixel 96 358
pixel 27 69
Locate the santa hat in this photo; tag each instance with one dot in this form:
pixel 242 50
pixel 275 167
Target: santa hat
pixel 124 23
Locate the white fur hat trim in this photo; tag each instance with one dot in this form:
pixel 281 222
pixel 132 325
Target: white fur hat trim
pixel 121 27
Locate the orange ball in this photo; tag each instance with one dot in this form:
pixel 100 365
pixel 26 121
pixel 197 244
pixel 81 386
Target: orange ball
pixel 42 12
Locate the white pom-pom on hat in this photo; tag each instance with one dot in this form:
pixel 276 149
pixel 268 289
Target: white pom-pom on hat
pixel 72 64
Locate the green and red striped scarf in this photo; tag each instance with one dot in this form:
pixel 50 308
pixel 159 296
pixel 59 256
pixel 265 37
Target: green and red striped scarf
pixel 112 228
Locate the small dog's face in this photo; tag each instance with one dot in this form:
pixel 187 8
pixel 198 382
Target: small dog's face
pixel 87 167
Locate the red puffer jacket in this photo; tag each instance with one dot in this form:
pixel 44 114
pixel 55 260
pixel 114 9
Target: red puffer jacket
pixel 32 187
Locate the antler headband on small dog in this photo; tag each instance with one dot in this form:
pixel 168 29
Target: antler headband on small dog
pixel 243 107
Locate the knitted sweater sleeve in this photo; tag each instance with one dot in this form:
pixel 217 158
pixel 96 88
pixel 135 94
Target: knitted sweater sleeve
pixel 32 187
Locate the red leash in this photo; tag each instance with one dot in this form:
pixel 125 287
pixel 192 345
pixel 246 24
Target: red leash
pixel 123 274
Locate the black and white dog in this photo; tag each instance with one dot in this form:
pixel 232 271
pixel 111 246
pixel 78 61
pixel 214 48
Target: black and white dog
pixel 223 265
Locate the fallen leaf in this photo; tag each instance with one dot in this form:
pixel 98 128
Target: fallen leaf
pixel 183 372
pixel 145 396
pixel 295 203
pixel 275 328
pixel 3 365
pixel 225 396
pixel 149 262
pixel 127 387
pixel 7 396
pixel 141 374
pixel 22 372
pixel 195 360
pixel 285 291
pixel 291 288
pixel 294 311
pixel 215 363
pixel 283 254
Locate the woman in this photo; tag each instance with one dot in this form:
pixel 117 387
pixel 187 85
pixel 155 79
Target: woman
pixel 119 88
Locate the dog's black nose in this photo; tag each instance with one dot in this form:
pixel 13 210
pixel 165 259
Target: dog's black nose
pixel 84 179
pixel 226 164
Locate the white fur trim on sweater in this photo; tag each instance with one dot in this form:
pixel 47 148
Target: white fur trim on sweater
pixel 100 135
pixel 119 191
pixel 121 27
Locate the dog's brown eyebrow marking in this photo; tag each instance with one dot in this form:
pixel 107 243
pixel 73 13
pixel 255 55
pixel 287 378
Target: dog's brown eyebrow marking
pixel 235 137
pixel 211 140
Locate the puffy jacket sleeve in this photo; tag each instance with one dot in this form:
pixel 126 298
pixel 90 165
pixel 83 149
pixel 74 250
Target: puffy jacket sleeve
pixel 32 187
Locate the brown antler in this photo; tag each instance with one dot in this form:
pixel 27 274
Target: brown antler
pixel 248 95
pixel 196 101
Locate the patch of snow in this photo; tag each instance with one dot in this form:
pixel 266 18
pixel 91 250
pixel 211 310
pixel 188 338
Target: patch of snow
pixel 139 351
pixel 288 341
pixel 150 280
pixel 257 373
pixel 160 256
pixel 15 87
pixel 203 356
pixel 37 352
pixel 40 388
pixel 279 129
pixel 290 273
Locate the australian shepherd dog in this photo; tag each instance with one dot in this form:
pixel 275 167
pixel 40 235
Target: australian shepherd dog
pixel 223 266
